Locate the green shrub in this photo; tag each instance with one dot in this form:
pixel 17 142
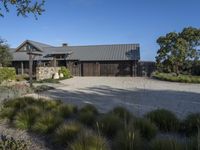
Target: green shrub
pixel 127 139
pixel 7 73
pixel 164 120
pixel 90 108
pixel 66 73
pixel 89 141
pixel 88 118
pixel 67 110
pixel 46 123
pixel 122 113
pixel 67 132
pixel 165 144
pixel 12 144
pixel 109 124
pixel 26 118
pixel 191 124
pixel 146 128
pixel 173 78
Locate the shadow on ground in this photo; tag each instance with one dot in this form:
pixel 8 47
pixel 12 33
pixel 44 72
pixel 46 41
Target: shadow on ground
pixel 138 101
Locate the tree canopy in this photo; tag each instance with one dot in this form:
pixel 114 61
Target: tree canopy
pixel 178 51
pixel 23 7
pixel 5 55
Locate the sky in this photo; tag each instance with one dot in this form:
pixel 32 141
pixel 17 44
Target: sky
pixel 96 22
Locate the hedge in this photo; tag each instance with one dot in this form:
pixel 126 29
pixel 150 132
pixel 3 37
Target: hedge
pixel 7 73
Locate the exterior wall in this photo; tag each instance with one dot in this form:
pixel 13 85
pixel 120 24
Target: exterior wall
pixel 103 68
pixel 22 67
pixel 146 68
pixel 46 72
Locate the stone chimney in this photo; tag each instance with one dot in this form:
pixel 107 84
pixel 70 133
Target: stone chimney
pixel 64 44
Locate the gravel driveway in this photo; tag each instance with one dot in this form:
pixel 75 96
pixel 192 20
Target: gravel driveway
pixel 139 95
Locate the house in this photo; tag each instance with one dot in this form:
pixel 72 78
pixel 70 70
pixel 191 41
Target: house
pixel 92 60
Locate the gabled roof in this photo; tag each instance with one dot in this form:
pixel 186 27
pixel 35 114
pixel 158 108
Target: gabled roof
pixel 115 52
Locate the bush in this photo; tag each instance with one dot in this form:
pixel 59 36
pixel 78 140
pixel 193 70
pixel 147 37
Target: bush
pixel 66 73
pixel 46 123
pixel 191 124
pixel 127 139
pixel 122 113
pixel 164 120
pixel 7 73
pixel 12 144
pixel 89 141
pixel 109 124
pixel 89 108
pixel 165 144
pixel 67 132
pixel 173 78
pixel 146 128
pixel 26 118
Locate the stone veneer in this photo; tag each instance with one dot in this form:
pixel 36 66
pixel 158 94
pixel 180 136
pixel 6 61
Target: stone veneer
pixel 46 72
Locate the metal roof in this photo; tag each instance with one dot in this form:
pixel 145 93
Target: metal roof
pixel 115 52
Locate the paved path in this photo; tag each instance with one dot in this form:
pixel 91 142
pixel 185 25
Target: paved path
pixel 139 95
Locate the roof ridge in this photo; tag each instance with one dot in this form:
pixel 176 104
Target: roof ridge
pixel 137 44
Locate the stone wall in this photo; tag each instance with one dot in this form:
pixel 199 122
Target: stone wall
pixel 46 72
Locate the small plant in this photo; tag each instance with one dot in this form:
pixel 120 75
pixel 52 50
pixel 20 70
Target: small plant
pixel 165 144
pixel 109 124
pixel 90 108
pixel 164 120
pixel 146 128
pixel 66 73
pixel 67 132
pixel 26 118
pixel 127 139
pixel 191 124
pixel 46 123
pixel 89 141
pixel 12 144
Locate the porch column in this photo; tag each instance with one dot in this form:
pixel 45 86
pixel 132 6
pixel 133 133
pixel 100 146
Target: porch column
pixel 22 68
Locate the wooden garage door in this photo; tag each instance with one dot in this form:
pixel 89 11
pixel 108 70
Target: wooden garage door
pixel 91 69
pixel 115 69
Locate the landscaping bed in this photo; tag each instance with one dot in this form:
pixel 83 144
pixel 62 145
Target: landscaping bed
pixel 68 127
pixel 174 78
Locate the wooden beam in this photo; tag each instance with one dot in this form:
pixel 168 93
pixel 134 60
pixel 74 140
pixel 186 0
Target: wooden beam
pixel 22 67
pixel 31 70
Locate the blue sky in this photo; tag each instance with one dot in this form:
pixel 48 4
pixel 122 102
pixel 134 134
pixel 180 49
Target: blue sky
pixel 86 22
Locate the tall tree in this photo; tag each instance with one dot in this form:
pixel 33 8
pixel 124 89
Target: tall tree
pixel 178 51
pixel 5 55
pixel 23 7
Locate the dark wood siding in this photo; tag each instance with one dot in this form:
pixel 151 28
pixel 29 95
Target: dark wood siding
pixel 103 68
pixel 74 67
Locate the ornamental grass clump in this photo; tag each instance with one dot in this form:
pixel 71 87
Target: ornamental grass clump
pixel 26 118
pixel 166 144
pixel 127 139
pixel 46 123
pixel 122 113
pixel 146 128
pixel 67 132
pixel 191 124
pixel 109 124
pixel 164 120
pixel 88 115
pixel 88 140
pixel 67 110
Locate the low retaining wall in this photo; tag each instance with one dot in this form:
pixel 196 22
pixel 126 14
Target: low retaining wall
pixel 46 72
